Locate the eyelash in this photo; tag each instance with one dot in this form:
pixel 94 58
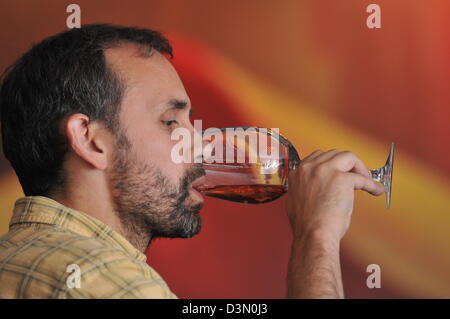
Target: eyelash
pixel 169 123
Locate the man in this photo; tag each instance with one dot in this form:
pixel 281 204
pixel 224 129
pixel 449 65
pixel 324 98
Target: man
pixel 86 118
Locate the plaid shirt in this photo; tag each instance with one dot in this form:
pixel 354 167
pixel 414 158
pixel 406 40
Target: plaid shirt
pixel 52 251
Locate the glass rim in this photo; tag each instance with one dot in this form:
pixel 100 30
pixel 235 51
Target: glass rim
pixel 294 158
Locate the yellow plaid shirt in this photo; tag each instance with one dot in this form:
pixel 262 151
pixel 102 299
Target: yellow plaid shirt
pixel 52 251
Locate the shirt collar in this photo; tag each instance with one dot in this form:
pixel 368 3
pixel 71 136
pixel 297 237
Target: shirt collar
pixel 43 210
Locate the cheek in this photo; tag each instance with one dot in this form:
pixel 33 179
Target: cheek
pixel 155 149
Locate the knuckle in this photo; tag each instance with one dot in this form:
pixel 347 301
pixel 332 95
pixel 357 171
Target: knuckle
pixel 316 152
pixel 311 156
pixel 304 167
pixel 319 170
pixel 338 178
pixel 348 154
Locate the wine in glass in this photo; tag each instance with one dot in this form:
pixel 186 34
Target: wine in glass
pixel 250 165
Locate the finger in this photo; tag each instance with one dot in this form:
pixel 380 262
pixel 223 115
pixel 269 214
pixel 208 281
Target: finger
pixel 347 161
pixel 366 184
pixel 312 155
pixel 325 156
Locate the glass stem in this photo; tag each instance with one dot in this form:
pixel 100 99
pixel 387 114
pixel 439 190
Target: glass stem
pixel 378 174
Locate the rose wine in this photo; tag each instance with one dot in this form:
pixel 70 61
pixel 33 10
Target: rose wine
pixel 248 194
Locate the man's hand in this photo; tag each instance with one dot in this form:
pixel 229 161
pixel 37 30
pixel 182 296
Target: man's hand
pixel 319 207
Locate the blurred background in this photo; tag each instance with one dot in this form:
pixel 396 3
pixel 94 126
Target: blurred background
pixel 313 69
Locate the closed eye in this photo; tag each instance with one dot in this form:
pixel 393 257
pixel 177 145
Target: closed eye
pixel 170 122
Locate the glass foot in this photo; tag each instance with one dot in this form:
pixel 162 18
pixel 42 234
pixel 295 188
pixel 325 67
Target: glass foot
pixel 384 175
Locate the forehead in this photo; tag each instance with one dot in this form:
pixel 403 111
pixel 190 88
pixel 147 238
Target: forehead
pixel 151 77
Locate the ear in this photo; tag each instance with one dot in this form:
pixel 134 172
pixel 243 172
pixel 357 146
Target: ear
pixel 88 139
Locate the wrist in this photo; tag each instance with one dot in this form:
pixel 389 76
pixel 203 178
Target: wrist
pixel 320 239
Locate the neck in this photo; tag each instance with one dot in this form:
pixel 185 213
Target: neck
pixel 101 208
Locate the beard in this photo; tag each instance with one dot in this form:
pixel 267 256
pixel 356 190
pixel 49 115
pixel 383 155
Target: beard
pixel 148 205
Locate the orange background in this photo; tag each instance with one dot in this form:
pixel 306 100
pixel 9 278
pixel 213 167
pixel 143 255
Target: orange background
pixel 313 69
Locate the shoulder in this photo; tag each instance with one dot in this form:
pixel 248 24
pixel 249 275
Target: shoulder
pixel 113 274
pixel 55 263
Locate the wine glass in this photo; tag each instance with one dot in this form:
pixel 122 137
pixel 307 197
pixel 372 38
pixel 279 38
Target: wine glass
pixel 248 164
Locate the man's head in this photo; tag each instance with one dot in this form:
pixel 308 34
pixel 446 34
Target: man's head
pixel 101 102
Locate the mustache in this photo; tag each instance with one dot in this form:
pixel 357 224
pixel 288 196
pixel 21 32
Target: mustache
pixel 196 172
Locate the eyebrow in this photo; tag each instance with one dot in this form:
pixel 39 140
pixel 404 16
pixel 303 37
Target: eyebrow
pixel 175 104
